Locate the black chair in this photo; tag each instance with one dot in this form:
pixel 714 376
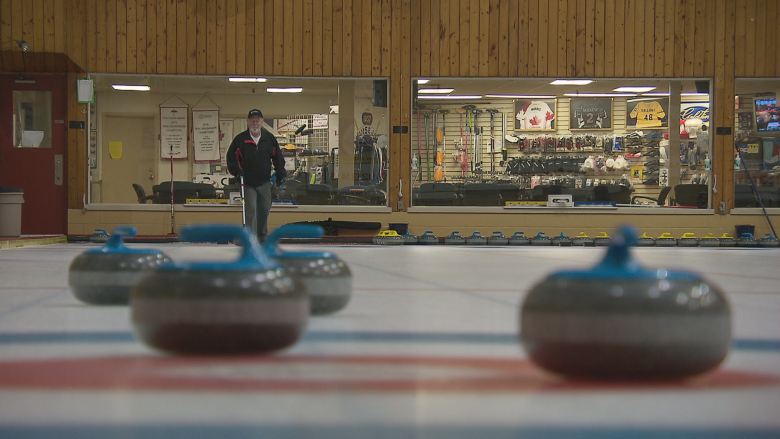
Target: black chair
pixel 436 194
pixel 660 201
pixel 141 194
pixel 612 193
pixel 691 195
pixel 182 190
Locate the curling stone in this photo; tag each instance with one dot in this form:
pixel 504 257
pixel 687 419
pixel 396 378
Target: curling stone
pixel 455 239
pixel 645 241
pixel 709 240
pixel 518 238
pixel 583 240
pixel 409 239
pixel 328 279
pixel 602 240
pixel 666 240
pixel 250 305
pixel 688 240
pixel 476 239
pixel 768 241
pixel 562 241
pixel 747 240
pixel 727 241
pixel 497 238
pixel 99 237
pixel 540 239
pixel 621 321
pixel 103 276
pixel 388 237
pixel 427 238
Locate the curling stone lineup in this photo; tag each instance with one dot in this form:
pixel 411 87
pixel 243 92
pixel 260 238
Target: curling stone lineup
pixel 327 278
pixel 619 320
pixel 251 305
pixel 103 276
pixel 476 239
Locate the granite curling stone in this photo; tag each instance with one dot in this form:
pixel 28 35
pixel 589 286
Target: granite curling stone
pixel 540 239
pixel 645 240
pixel 562 241
pixel 328 278
pixel 602 240
pixel 666 240
pixel 497 238
pixel 709 240
pixel 621 321
pixel 104 276
pixel 476 238
pixel 688 240
pixel 455 238
pixel 427 238
pixel 100 236
pixel 727 241
pixel 583 240
pixel 388 237
pixel 747 240
pixel 247 306
pixel 409 239
pixel 519 238
pixel 768 241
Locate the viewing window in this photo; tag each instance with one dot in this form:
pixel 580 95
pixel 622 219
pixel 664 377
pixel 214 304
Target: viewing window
pixel 32 119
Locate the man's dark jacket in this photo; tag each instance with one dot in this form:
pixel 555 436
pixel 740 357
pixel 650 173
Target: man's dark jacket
pixel 258 159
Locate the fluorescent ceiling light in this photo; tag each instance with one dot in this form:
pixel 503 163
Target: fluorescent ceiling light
pixel 571 82
pixel 247 79
pixel 600 95
pixel 641 89
pixel 443 91
pixel 423 81
pixel 694 94
pixel 522 96
pixel 284 90
pixel 130 87
pixel 657 93
pixel 449 97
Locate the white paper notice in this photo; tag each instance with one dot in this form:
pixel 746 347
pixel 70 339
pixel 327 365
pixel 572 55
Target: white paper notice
pixel 173 132
pixel 205 135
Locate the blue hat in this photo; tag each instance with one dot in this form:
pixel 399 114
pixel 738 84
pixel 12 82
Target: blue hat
pixel 255 112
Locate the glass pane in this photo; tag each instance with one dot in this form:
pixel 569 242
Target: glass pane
pixel 32 119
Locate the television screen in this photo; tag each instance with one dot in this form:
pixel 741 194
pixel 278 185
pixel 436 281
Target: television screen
pixel 767 114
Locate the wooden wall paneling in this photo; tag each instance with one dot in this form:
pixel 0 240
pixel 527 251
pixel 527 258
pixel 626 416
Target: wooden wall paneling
pixel 121 36
pixel 609 38
pixel 698 37
pixel 579 42
pixel 211 37
pixel 347 41
pixel 161 37
pixel 561 48
pixel 415 35
pixel 308 39
pixel 571 38
pixel 639 38
pixel 253 64
pixel 76 141
pixel 629 53
pixel 771 40
pixel 59 27
pixel 724 167
pixel 434 37
pixel 454 38
pixel 17 27
pixel 112 36
pixel 750 39
pixel 131 19
pixel 327 37
pixel 357 37
pixel 48 37
pixel 548 27
pixel 268 37
pixel 690 43
pixel 590 37
pixel 542 39
pixel 649 43
pixel 533 37
pixel 741 13
pixel 338 50
pixel 709 39
pixel 510 8
pixel 231 38
pixel 493 35
pixel 403 169
pixel 669 33
pixel 387 23
pixel 444 42
pixel 202 37
pixel 598 41
pixel 298 35
pixel 659 40
pixel 151 40
pixel 36 43
pixel 6 59
pixel 777 43
pixel 316 37
pixel 77 35
pixel 484 38
pixel 761 36
pixel 141 37
pixel 394 105
pixel 425 38
pixel 678 60
pixel 171 35
pixel 91 32
pixel 473 19
pixel 221 33
pixel 288 36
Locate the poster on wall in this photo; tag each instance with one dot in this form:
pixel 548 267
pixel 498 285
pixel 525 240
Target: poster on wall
pixel 590 114
pixel 173 131
pixel 225 138
pixel 535 115
pixel 205 135
pixel 647 113
pixel 694 115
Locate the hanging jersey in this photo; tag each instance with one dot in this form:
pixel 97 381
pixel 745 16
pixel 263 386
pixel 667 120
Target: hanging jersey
pixel 591 117
pixel 535 115
pixel 648 114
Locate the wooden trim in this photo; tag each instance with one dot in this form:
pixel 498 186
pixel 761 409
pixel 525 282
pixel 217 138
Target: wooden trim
pixel 308 35
pixel 317 35
pixel 513 43
pixel 454 39
pixel 425 38
pixel 327 37
pixel 347 41
pixel 338 66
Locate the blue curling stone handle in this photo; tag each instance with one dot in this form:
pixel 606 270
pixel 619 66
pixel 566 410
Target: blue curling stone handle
pixel 271 244
pixel 252 258
pixel 116 243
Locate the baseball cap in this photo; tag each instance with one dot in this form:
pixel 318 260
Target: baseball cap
pixel 255 112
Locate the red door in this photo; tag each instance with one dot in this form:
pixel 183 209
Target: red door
pixel 40 171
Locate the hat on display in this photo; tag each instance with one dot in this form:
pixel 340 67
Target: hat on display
pixel 255 112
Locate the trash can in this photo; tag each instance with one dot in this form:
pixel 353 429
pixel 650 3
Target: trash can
pixel 400 228
pixel 745 229
pixel 11 212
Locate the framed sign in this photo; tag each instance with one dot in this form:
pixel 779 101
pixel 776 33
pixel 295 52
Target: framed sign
pixel 173 131
pixel 535 115
pixel 647 113
pixel 590 114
